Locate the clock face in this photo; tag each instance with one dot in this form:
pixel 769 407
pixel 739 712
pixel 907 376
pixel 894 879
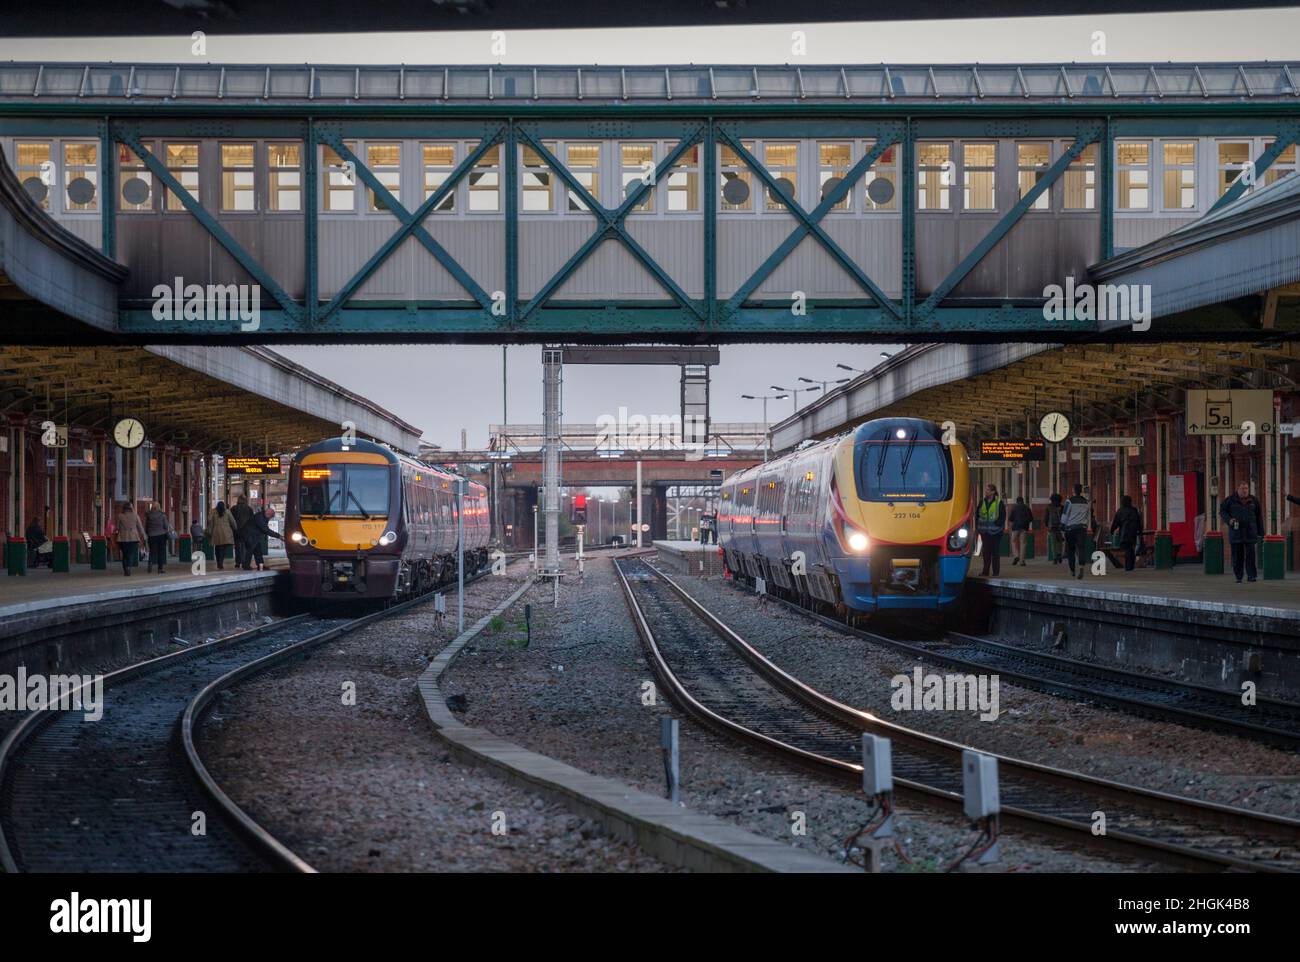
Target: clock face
pixel 1055 427
pixel 128 433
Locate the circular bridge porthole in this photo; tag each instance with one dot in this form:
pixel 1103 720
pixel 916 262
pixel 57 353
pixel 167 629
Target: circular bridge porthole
pixel 881 190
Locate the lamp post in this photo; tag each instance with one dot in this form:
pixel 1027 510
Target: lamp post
pixel 853 370
pixel 767 439
pixel 809 380
pixel 795 391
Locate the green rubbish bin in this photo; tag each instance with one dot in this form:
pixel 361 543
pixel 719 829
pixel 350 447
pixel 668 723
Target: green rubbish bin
pixel 1274 549
pixel 1029 544
pixel 1164 549
pixel 1212 553
pixel 1004 546
pixel 98 552
pixel 16 558
pixel 184 549
pixel 60 557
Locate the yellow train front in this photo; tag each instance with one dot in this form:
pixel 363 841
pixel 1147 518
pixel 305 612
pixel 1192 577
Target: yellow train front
pixel 364 522
pixel 872 520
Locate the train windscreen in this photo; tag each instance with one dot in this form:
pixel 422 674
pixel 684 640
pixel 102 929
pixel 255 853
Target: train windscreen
pixel 350 490
pixel 904 470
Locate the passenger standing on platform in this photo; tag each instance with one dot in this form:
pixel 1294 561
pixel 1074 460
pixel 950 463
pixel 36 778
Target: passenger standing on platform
pixel 196 536
pixel 242 513
pixel 1076 515
pixel 158 529
pixel 130 532
pixel 1128 525
pixel 252 534
pixel 1052 522
pixel 1021 518
pixel 35 536
pixel 220 532
pixel 990 520
pixel 1242 514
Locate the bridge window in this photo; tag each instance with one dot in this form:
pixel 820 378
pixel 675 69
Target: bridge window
pixel 782 161
pixel 340 180
pixel 1180 175
pixel 485 182
pixel 439 161
pixel 933 176
pixel 134 181
pixel 734 179
pixel 1032 161
pixel 35 172
pixel 1284 165
pixel 637 168
pixel 1233 158
pixel 182 162
pixel 80 176
pixel 684 184
pixel 1133 175
pixel 385 162
pixel 583 161
pixel 883 195
pixel 284 165
pixel 535 180
pixel 1081 180
pixel 833 163
pixel 979 163
pixel 238 183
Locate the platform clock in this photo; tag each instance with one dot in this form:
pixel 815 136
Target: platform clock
pixel 1054 427
pixel 128 433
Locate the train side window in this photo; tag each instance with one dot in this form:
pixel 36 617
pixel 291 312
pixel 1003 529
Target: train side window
pixel 238 178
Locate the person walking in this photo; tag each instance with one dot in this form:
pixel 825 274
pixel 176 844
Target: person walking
pixel 990 520
pixel 220 532
pixel 1242 513
pixel 158 529
pixel 1076 515
pixel 252 534
pixel 242 513
pixel 35 535
pixel 196 537
pixel 130 534
pixel 1127 525
pixel 1052 522
pixel 1021 519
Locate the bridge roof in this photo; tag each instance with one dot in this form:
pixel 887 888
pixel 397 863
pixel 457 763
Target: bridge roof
pixel 237 84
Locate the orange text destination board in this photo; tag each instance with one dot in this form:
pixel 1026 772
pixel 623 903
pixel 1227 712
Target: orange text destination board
pixel 241 465
pixel 1013 449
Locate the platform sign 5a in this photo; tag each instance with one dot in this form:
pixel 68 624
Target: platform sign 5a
pixel 1224 412
pixel 251 466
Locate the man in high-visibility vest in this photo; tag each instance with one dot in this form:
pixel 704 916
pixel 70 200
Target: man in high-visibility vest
pixel 990 521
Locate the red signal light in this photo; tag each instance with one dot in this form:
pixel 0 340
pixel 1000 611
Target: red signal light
pixel 579 500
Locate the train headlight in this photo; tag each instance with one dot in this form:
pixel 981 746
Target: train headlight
pixel 388 538
pixel 957 540
pixel 858 541
pixel 298 537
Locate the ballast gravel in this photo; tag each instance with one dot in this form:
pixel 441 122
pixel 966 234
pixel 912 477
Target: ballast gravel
pixel 579 691
pixel 367 787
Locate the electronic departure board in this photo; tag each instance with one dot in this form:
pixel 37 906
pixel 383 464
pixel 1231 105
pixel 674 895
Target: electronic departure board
pixel 240 465
pixel 1013 449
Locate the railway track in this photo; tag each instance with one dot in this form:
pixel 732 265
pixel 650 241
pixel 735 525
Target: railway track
pixel 1149 696
pixel 120 794
pixel 723 682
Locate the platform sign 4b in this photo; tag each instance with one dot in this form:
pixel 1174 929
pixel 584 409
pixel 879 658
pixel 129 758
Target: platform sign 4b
pixel 1224 412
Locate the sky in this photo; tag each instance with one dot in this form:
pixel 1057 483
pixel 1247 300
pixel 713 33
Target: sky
pixel 444 389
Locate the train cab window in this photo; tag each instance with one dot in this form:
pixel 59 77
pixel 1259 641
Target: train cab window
pixel 182 161
pixel 340 181
pixel 238 184
pixel 979 163
pixel 284 172
pixel 684 184
pixel 538 194
pixel 637 166
pixel 884 195
pixel 1179 175
pixel 782 162
pixel 903 470
pixel 80 176
pixel 352 490
pixel 1032 161
pixel 583 161
pixel 1133 180
pixel 933 176
pixel 35 171
pixel 485 183
pixel 833 163
pixel 1081 181
pixel 439 161
pixel 134 182
pixel 385 162
pixel 734 179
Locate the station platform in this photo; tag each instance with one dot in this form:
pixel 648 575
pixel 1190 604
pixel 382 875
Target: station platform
pixel 58 621
pixel 690 557
pixel 1179 622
